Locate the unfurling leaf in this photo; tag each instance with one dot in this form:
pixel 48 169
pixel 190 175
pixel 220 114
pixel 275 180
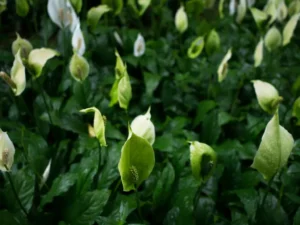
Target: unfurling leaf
pixel 143 127
pixel 296 110
pixel 121 91
pixel 95 14
pixel 289 29
pixel 196 47
pixel 79 67
pixel 203 160
pixel 259 53
pixel 99 124
pixel 273 39
pixel 37 59
pixel 23 44
pixel 181 20
pixel 212 43
pixel 115 5
pixel 223 67
pixel 259 16
pixel 7 151
pixel 136 162
pixel 274 149
pixel 267 96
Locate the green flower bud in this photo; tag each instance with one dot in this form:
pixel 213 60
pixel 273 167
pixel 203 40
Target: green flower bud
pixel 95 13
pixel 136 162
pixel 259 53
pixel 196 47
pixel 296 110
pixel 99 124
pixel 273 39
pixel 17 74
pixel 143 127
pixel 289 29
pixel 7 152
pixel 77 5
pixel 22 7
pixel 212 43
pixel 37 59
pixel 241 11
pixel 267 96
pixel 223 67
pixel 181 20
pixel 79 67
pixel 22 44
pixel 203 160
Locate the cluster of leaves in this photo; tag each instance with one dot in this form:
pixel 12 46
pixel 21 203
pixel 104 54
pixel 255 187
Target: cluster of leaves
pixel 188 102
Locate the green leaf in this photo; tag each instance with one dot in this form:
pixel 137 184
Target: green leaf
pixel 274 150
pixel 249 198
pixel 196 47
pixel 163 187
pixel 8 218
pixel 87 208
pixel 60 185
pixel 203 160
pixel 297 217
pixel 151 82
pixel 203 108
pixel 204 211
pixel 114 93
pixel 136 162
pixel 24 184
pixel 212 42
pixel 95 13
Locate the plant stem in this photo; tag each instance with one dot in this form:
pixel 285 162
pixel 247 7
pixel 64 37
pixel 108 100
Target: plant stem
pixel 138 204
pixel 45 102
pixel 268 190
pixel 15 192
pixel 96 179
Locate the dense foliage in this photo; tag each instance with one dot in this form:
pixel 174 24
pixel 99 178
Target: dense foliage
pixel 217 132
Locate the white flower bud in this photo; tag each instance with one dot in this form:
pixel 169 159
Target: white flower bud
pixel 139 46
pixel 7 152
pixel 78 41
pixel 143 127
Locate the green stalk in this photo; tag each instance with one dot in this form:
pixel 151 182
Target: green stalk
pixel 15 192
pixel 138 206
pixel 96 179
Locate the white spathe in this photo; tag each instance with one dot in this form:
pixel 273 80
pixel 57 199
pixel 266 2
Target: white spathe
pixel 78 41
pixel 7 152
pixel 139 46
pixel 62 14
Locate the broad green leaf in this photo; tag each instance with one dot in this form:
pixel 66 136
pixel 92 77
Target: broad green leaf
pixel 267 96
pixel 249 198
pixel 297 217
pixel 18 74
pixel 95 13
pixel 204 210
pixel 99 124
pixel 60 185
pixel 196 47
pixel 223 67
pixel 274 150
pixel 212 43
pixel 8 218
pixel 151 82
pixel 259 16
pixel 87 208
pixel 163 187
pixel 37 59
pixel 203 108
pixel 124 92
pixel 24 184
pixel 289 29
pixel 259 53
pixel 79 67
pixel 181 20
pixel 296 110
pixel 203 160
pixel 273 39
pixel 136 162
